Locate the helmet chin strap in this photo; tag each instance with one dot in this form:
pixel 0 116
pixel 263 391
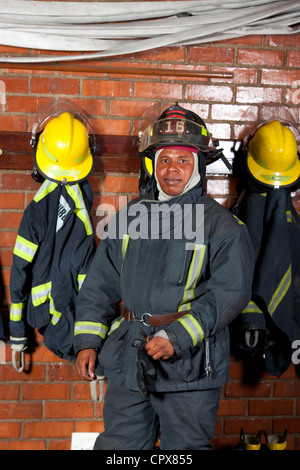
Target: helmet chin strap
pixel 194 179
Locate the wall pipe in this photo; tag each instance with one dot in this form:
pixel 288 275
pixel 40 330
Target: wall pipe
pixel 117 70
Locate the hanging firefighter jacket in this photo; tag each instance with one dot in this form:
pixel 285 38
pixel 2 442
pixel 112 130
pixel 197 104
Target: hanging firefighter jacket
pixel 53 250
pixel 271 321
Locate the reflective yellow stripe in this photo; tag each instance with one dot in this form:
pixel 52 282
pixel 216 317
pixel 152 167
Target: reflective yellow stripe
pixel 64 173
pixel 46 188
pixel 16 311
pixel 80 159
pixel 41 293
pixel 25 249
pixel 193 276
pixel 252 308
pixel 89 327
pixel 289 216
pixel 75 193
pixel 55 314
pixel 115 325
pixel 204 130
pixel 193 328
pixel 124 247
pixel 49 154
pixel 281 290
pixel 80 280
pixel 238 220
pixel 125 244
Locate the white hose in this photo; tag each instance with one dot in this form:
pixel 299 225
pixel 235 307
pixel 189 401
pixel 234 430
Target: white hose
pixel 90 27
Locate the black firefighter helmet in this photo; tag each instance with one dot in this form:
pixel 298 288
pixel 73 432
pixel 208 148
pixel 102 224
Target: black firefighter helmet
pixel 177 126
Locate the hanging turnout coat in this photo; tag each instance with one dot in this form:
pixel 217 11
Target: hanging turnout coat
pixel 53 249
pixel 141 262
pixel 274 228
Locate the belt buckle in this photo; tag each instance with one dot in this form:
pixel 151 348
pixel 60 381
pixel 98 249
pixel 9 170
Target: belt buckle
pixel 143 320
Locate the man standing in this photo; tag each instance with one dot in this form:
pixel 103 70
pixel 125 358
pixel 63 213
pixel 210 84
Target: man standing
pixel 180 289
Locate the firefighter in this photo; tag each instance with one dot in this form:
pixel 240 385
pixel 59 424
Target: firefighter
pixel 167 354
pixel 271 321
pixel 55 241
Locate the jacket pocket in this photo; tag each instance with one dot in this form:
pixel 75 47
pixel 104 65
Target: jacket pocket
pixel 176 263
pixel 111 356
pixel 40 299
pixel 59 334
pixel 39 316
pixel 192 365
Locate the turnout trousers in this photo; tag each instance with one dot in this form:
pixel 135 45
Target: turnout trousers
pixel 186 420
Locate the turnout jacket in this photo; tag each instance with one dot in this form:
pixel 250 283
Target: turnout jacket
pixel 274 309
pixel 162 272
pixel 53 249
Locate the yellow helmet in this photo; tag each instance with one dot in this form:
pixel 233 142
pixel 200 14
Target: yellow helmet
pixel 63 153
pixel 272 157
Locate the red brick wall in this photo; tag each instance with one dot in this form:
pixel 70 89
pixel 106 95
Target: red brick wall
pixel 42 406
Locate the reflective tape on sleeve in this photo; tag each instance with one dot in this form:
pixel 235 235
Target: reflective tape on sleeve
pixel 115 325
pixel 88 327
pixel 252 308
pixel 193 328
pixel 16 311
pixel 25 249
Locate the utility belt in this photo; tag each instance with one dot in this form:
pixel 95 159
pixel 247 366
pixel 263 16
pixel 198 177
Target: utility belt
pixel 153 320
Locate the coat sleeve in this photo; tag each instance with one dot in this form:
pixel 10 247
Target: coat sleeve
pixel 224 295
pixel 26 247
pixel 99 298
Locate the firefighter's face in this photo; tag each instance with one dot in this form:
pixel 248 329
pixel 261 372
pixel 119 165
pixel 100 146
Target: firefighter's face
pixel 174 168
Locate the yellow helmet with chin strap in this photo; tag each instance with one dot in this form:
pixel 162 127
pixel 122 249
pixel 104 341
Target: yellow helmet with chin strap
pixel 272 157
pixel 63 152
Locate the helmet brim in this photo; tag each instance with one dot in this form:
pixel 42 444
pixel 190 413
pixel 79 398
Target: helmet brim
pixel 269 178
